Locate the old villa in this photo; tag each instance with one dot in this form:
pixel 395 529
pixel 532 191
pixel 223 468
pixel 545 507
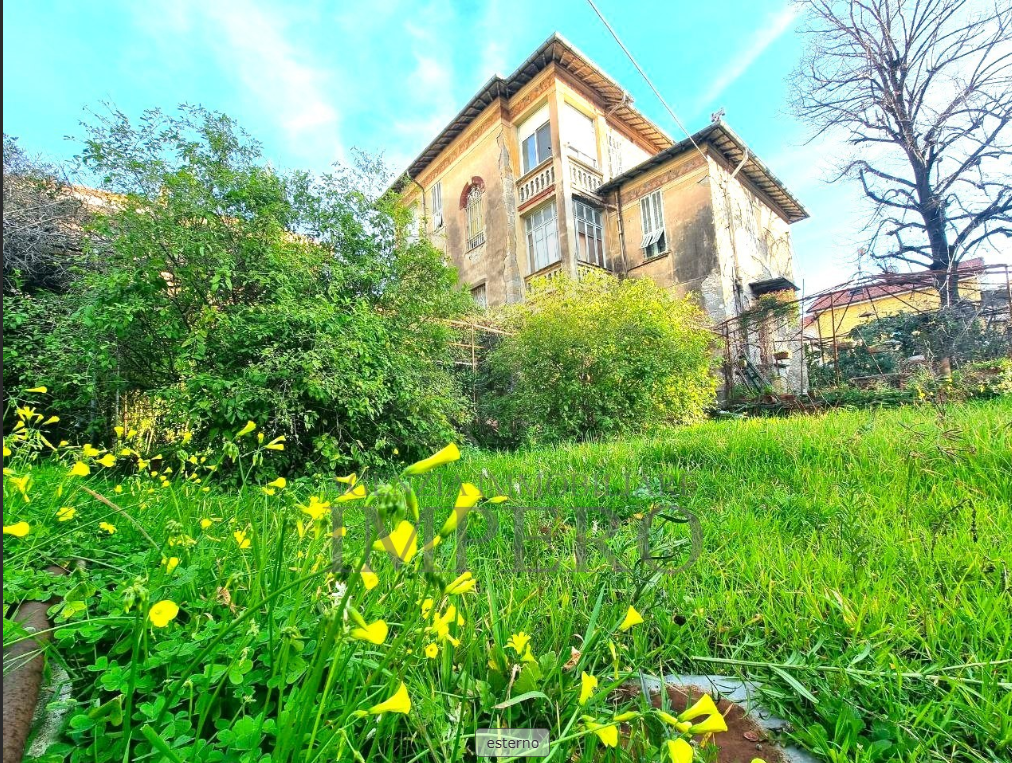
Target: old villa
pixel 552 170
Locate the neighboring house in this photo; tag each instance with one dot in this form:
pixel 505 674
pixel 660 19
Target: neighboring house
pixel 551 169
pixel 839 312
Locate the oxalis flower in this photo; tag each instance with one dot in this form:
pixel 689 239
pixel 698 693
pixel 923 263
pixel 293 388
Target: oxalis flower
pixel 250 426
pixel 108 460
pixel 678 750
pixel 632 617
pixel 607 733
pixel 108 527
pixel 467 499
pixel 400 702
pixel 374 633
pixel 431 651
pixel 445 456
pixel 316 508
pixel 41 389
pixel 369 578
pixel 241 538
pixel 66 513
pixel 163 613
pixel 587 686
pixel 170 563
pixel 402 542
pixel 18 529
pixel 80 469
pixel 277 443
pixel 355 493
pixel 518 642
pixel 713 723
pixel 461 585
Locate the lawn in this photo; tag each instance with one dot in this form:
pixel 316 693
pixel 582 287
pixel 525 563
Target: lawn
pixel 856 563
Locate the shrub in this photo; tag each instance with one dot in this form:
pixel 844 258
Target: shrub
pixel 595 357
pixel 230 291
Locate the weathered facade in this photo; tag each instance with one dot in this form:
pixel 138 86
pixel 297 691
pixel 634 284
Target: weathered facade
pixel 552 170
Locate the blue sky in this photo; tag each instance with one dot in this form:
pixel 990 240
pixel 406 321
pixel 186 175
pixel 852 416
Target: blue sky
pixel 314 79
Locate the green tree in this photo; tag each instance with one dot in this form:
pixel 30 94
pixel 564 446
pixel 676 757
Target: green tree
pixel 595 357
pixel 229 290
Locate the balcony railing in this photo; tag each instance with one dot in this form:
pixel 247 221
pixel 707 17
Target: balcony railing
pixel 536 181
pixel 583 177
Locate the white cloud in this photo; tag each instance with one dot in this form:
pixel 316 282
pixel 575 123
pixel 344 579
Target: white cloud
pixel 738 64
pixel 258 52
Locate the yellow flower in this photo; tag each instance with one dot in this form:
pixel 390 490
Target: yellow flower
pixel 80 469
pixel 629 715
pixel 518 642
pixel 171 563
pixel 241 539
pixel 118 489
pixel 119 431
pixel 187 436
pixel 587 686
pixel 18 529
pixel 441 625
pixel 66 513
pixel 7 451
pixel 632 617
pixel 108 460
pixel 607 733
pixel 369 578
pixel 268 491
pixel 280 483
pixel 21 483
pixel 205 523
pixel 41 389
pixel 260 437
pixel 277 443
pixel 163 613
pixel 432 651
pixel 250 426
pixel 467 499
pixel 400 702
pixel 427 607
pixel 90 451
pixel 316 509
pixel 445 456
pixel 357 492
pixel 461 585
pixel 51 420
pixel 108 527
pixel 679 751
pixel 703 706
pixel 374 633
pixel 402 542
pixel 351 479
pixel 671 720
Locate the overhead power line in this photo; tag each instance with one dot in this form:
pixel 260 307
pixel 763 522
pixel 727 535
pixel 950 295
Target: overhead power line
pixel 643 74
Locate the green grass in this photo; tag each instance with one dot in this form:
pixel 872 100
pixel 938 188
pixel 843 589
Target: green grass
pixel 856 563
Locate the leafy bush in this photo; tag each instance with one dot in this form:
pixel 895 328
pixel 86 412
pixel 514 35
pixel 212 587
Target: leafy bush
pixel 229 291
pixel 595 357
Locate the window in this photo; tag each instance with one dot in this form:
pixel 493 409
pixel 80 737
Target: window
pixel 436 196
pixel 652 212
pixel 614 154
pixel 480 296
pixel 535 135
pixel 415 223
pixel 580 135
pixel 589 234
pixel 475 217
pixel 542 237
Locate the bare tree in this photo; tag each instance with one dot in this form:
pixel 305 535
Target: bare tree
pixel 42 223
pixel 923 91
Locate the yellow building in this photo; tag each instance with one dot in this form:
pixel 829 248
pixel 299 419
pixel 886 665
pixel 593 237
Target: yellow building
pixel 551 169
pixel 839 312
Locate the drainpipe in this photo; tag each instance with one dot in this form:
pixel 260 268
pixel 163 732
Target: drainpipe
pixel 621 231
pixel 422 193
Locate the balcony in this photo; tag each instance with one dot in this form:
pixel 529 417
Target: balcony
pixel 536 182
pixel 585 179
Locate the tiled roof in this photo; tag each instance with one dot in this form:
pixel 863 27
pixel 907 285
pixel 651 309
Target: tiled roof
pixel 556 49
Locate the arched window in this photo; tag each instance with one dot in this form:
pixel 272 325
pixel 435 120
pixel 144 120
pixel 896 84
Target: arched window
pixel 471 203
